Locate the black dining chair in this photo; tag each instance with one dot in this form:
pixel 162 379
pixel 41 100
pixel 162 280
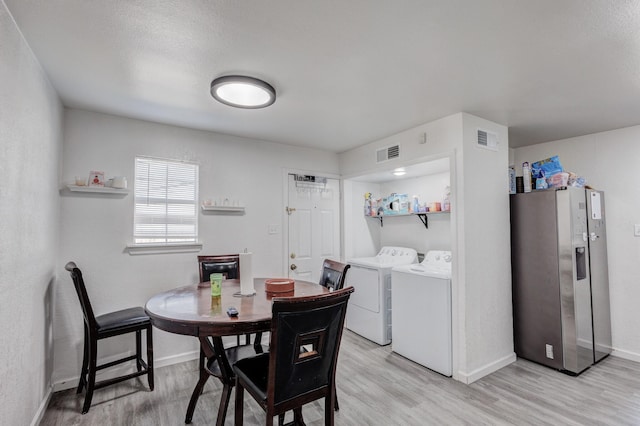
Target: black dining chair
pixel 226 264
pixel 229 266
pixel 287 377
pixel 333 274
pixel 108 325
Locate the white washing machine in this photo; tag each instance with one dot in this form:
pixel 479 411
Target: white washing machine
pixel 421 311
pixel 369 312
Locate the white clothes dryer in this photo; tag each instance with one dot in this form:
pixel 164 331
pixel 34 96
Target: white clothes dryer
pixel 421 312
pixel 369 312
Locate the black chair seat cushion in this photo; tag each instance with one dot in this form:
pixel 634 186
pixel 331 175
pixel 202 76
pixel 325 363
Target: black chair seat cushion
pixel 122 319
pixel 254 373
pixel 234 354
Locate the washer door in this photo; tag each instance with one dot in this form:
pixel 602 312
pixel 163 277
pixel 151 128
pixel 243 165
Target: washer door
pixel 366 283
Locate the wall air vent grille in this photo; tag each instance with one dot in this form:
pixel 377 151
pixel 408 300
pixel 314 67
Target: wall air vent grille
pixel 388 153
pixel 487 140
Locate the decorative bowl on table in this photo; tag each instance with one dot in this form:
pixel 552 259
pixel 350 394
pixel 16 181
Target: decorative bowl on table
pixel 278 286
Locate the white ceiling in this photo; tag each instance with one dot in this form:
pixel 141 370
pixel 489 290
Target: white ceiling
pixel 347 72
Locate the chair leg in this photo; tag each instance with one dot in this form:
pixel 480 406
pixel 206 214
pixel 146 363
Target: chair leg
pixel 239 405
pixel 257 343
pixel 197 391
pixel 93 360
pixel 297 417
pixel 85 360
pixel 138 350
pixel 150 357
pixel 224 404
pixel 329 404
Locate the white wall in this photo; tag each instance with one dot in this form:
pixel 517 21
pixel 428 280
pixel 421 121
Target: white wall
pixel 30 145
pixel 96 228
pixel 365 232
pixel 608 161
pixel 485 243
pixel 479 229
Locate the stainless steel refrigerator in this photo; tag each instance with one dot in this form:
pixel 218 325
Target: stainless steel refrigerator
pixel 561 313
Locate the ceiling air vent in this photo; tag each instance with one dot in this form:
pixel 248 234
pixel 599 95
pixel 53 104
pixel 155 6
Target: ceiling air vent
pixel 388 153
pixel 487 140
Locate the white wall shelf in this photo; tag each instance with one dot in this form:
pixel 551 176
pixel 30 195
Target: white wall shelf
pixel 421 216
pixel 224 209
pixel 98 189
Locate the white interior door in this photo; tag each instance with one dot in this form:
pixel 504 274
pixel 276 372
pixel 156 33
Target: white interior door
pixel 313 225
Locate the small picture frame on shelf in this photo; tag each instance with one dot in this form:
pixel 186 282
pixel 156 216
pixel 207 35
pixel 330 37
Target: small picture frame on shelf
pixel 96 179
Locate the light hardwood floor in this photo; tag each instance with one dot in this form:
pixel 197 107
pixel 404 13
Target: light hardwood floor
pixel 378 387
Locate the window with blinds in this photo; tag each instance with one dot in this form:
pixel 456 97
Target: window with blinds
pixel 166 193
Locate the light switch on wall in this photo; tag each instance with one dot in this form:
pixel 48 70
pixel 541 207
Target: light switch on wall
pixel 636 230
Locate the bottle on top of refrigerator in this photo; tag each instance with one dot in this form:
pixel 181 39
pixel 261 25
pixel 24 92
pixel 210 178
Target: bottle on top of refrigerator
pixel 526 176
pixel 512 180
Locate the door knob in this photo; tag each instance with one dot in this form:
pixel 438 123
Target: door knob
pixel 293 267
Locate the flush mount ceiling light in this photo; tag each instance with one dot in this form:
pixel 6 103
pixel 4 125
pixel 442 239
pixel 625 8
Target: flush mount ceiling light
pixel 243 92
pixel 399 171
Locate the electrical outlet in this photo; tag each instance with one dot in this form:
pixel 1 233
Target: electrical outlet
pixel 549 349
pixel 636 230
pixel 272 229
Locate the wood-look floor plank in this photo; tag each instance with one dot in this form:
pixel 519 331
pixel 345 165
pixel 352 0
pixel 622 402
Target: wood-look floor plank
pixel 379 387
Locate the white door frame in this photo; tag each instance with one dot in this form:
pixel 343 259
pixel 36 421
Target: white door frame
pixel 285 216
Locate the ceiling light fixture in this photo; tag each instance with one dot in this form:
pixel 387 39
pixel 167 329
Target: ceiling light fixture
pixel 399 171
pixel 243 92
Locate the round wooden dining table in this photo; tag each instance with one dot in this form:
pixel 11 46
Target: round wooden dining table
pixel 191 310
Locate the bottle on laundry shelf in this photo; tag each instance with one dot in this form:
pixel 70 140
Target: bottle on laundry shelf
pixel 367 204
pixel 446 203
pixel 526 176
pixel 416 205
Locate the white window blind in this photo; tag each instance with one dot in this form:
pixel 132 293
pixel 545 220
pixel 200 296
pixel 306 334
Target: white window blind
pixel 166 193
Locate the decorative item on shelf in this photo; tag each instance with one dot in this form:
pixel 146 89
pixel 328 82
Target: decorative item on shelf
pixel 80 181
pixel 96 178
pixel 119 182
pixel 222 204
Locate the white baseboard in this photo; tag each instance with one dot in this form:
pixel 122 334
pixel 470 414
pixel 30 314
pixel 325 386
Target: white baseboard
pixel 631 356
pixel 42 408
pixel 72 382
pixel 468 378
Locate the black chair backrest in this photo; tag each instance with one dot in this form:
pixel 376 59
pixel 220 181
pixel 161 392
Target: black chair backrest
pixel 81 290
pixel 227 265
pixel 298 321
pixel 333 274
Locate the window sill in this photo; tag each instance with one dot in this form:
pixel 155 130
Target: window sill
pixel 136 249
